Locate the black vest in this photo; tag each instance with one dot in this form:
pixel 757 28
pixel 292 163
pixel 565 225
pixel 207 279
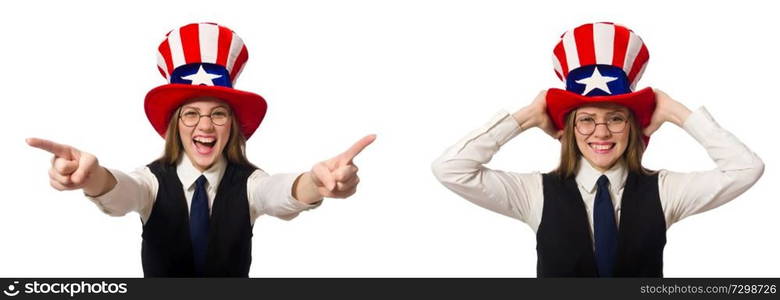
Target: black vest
pixel 167 249
pixel 563 241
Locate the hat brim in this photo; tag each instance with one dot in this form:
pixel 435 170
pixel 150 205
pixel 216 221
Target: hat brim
pixel 162 101
pixel 561 102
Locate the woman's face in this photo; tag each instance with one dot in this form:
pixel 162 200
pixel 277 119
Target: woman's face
pixel 204 137
pixel 602 134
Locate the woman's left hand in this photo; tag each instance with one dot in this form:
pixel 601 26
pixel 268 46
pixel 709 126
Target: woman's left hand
pixel 666 109
pixel 333 178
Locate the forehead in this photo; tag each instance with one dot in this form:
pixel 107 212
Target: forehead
pixel 602 109
pixel 205 103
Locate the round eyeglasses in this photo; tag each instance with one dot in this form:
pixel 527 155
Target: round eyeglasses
pixel 586 124
pixel 191 117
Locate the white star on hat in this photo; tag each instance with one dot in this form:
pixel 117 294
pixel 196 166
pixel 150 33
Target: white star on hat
pixel 202 77
pixel 596 81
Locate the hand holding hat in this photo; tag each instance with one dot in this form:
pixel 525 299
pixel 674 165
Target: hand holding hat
pixel 666 110
pixel 535 115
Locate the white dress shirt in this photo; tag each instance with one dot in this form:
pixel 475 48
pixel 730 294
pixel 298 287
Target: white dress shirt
pixel 520 195
pixel 136 191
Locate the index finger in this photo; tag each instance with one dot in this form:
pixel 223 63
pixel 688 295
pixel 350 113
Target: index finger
pixel 58 150
pixel 358 147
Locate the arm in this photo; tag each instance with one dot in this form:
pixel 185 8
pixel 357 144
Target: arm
pixel 461 167
pixel 74 169
pixel 286 195
pixel 333 178
pixel 115 192
pixel 272 195
pixel 737 167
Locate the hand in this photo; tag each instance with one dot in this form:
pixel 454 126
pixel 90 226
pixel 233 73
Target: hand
pixel 666 109
pixel 337 177
pixel 535 115
pixel 73 169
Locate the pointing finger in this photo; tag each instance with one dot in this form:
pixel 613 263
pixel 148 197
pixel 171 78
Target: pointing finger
pixel 358 147
pixel 323 175
pixel 58 150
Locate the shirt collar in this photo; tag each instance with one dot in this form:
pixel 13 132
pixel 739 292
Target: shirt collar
pixel 188 173
pixel 587 176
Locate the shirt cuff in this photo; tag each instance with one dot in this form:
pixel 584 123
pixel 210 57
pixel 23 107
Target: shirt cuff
pixel 500 129
pixel 290 204
pixel 504 127
pixel 105 201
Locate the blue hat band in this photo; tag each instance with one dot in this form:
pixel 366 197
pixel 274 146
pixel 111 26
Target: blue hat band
pixel 598 80
pixel 202 74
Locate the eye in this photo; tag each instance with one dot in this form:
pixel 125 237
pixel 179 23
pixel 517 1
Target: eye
pixel 616 119
pixel 219 113
pixel 190 114
pixel 585 119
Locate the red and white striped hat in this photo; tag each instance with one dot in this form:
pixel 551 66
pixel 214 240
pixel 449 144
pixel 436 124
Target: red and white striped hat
pixel 600 62
pixel 202 60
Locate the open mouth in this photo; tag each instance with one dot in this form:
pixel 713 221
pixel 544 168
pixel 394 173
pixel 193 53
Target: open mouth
pixel 204 145
pixel 601 148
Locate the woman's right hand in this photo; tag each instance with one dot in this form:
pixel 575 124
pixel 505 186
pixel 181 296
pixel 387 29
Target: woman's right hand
pixel 74 169
pixel 535 115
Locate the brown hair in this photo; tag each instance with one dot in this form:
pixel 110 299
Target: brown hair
pixel 234 152
pixel 570 153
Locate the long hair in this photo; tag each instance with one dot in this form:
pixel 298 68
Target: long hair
pixel 234 152
pixel 570 153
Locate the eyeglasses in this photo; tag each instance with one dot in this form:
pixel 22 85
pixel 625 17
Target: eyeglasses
pixel 586 124
pixel 190 117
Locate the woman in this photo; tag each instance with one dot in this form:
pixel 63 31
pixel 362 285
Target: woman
pixel 199 201
pixel 600 213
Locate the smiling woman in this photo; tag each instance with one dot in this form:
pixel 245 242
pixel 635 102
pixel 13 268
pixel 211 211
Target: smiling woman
pixel 202 142
pixel 619 140
pixel 600 213
pixel 198 203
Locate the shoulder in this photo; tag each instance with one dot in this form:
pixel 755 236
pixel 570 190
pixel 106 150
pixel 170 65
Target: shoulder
pixel 158 166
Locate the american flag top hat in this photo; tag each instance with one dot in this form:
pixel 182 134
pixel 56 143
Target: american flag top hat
pixel 202 60
pixel 600 62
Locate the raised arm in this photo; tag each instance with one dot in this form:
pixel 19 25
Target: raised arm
pixel 737 167
pixel 461 168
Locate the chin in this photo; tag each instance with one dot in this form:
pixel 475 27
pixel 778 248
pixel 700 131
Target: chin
pixel 604 165
pixel 204 163
pixel 201 161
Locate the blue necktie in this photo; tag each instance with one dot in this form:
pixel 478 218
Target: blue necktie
pixel 199 225
pixel 605 229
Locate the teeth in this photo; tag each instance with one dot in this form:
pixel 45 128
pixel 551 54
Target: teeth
pixel 204 139
pixel 601 147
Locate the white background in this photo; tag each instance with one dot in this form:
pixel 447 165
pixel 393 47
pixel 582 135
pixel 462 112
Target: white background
pixel 420 74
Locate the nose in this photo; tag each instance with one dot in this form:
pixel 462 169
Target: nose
pixel 601 131
pixel 205 124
